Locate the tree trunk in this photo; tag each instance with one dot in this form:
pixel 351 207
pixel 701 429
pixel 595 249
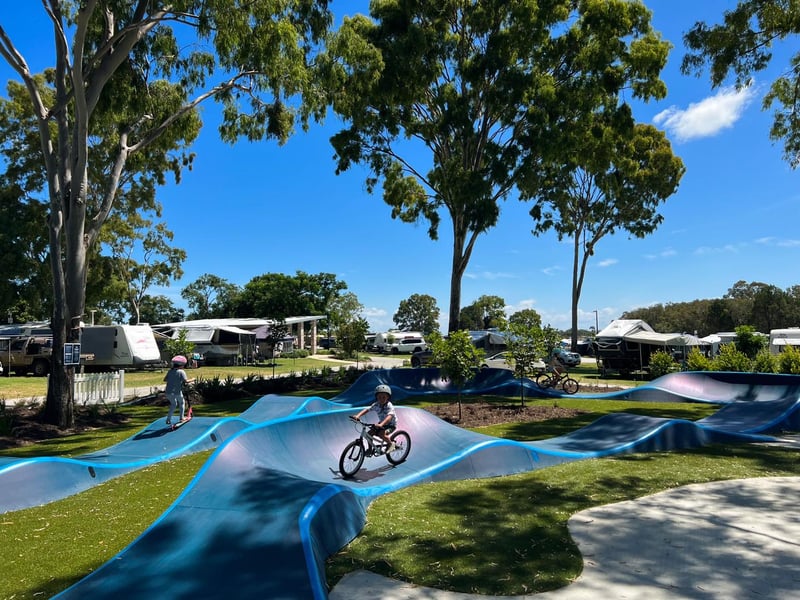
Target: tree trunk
pixel 461 253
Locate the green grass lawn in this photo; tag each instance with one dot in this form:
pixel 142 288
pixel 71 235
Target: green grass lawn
pixel 503 535
pixel 28 386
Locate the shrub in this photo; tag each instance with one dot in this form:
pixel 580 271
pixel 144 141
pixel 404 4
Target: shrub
pixel 731 359
pixel 697 361
pixel 661 363
pixel 765 362
pixel 789 361
pixel 748 341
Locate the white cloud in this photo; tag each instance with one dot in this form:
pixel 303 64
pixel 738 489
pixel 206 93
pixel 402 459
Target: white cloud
pixel 607 262
pixel 489 275
pixel 667 253
pixel 780 243
pixel 725 249
pixel 378 318
pixel 551 270
pixel 707 117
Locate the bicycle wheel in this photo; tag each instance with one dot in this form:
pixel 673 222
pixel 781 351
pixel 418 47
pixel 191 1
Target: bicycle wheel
pixel 570 385
pixel 402 442
pixel 544 381
pixel 352 458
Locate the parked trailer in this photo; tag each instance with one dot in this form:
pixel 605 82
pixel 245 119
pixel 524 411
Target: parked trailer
pixel 105 347
pixel 780 338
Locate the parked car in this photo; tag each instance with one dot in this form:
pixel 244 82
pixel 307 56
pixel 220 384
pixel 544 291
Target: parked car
pixel 326 343
pixel 407 345
pixel 421 358
pixel 567 358
pixel 503 360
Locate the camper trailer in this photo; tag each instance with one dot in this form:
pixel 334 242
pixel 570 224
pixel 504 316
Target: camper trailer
pixel 219 345
pixel 106 347
pixel 780 338
pixel 615 353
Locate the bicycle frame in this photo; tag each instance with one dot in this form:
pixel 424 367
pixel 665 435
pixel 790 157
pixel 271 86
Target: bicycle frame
pixel 375 444
pixel 366 445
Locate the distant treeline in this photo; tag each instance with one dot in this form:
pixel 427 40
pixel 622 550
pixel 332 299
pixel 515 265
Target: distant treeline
pixel 760 305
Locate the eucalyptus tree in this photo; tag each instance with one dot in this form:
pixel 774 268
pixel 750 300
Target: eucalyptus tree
pixel 614 176
pixel 741 46
pixel 418 312
pixel 127 78
pixel 211 296
pixel 142 257
pixel 448 103
pixel 278 296
pixel 484 313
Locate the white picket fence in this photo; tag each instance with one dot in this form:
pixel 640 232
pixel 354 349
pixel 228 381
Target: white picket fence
pixel 99 388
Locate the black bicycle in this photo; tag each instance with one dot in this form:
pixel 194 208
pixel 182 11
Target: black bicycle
pixel 554 380
pixel 367 444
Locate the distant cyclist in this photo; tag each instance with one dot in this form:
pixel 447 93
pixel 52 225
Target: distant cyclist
pixel 387 417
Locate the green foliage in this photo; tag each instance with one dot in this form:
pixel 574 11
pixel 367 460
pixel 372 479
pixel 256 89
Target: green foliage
pixel 179 345
pixel 765 362
pixel 748 342
pixel 731 359
pixel 279 296
pixel 485 313
pixel 418 313
pixel 132 236
pixel 351 337
pixel 527 317
pixel 661 363
pixel 211 296
pixel 761 306
pixel 743 45
pixel 480 84
pixel 101 146
pixel 343 308
pixel 617 181
pixel 526 343
pixel 457 358
pixel 789 360
pixel 697 361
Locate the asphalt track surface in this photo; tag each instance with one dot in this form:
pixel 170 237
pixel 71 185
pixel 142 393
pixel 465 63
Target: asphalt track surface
pixel 269 506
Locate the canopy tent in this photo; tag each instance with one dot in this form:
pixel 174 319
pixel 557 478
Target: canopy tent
pixel 666 339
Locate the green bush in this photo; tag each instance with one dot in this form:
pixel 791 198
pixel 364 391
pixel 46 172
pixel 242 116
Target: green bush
pixel 731 359
pixel 789 361
pixel 661 363
pixel 765 362
pixel 697 361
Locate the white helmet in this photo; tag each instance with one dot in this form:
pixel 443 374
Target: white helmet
pixel 383 388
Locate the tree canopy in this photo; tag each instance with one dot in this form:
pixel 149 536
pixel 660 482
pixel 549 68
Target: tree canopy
pixel 450 103
pixel 743 45
pixel 118 109
pixel 756 304
pixel 615 178
pixel 278 296
pixel 418 312
pixel 486 312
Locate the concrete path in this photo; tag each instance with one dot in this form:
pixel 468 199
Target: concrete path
pixel 723 540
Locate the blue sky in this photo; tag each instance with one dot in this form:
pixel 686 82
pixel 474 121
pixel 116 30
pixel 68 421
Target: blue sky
pixel 250 209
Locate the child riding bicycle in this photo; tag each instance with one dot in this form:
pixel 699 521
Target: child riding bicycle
pixel 387 417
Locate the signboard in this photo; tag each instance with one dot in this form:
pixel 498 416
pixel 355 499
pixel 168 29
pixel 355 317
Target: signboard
pixel 72 354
